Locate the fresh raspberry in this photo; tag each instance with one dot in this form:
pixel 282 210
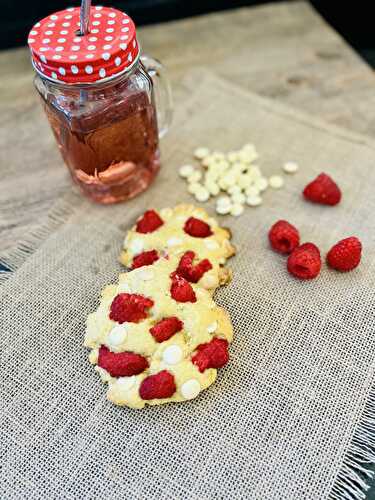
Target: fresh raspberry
pixel 158 386
pixel 188 271
pixel 304 262
pixel 345 255
pixel 323 190
pixel 181 290
pixel 197 228
pixel 121 364
pixel 211 355
pixel 284 237
pixel 129 307
pixel 145 259
pixel 149 222
pixel 165 328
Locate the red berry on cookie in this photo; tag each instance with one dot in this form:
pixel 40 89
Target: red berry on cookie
pixel 129 307
pixel 197 228
pixel 165 328
pixel 121 364
pixel 214 354
pixel 190 272
pixel 149 222
pixel 145 259
pixel 158 386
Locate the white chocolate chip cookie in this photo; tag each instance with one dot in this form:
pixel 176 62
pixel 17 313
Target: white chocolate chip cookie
pixel 157 339
pixel 175 231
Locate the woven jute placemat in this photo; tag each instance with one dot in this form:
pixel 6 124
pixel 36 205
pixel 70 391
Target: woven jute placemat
pixel 290 417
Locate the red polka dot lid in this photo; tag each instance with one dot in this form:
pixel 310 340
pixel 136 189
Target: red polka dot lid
pixel 59 53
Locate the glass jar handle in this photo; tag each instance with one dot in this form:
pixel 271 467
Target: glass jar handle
pixel 163 93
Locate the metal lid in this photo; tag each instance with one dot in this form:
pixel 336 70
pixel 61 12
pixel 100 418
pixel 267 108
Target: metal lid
pixel 60 53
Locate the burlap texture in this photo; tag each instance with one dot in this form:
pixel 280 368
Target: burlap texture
pixel 281 419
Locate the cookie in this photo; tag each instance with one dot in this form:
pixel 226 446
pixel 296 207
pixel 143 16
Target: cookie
pixel 173 232
pixel 156 338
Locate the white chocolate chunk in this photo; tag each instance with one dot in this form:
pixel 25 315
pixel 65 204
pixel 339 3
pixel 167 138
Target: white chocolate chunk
pixel 224 200
pixel 190 389
pixel 254 201
pixel 276 182
pixel 93 356
pixel 186 170
pixel 126 383
pixel 212 188
pixel 290 167
pixel 136 246
pixel 117 336
pixel 234 190
pixel 145 273
pixel 200 153
pixel 174 241
pixel 237 209
pixel 223 209
pixel 172 354
pixel 211 244
pixel 212 327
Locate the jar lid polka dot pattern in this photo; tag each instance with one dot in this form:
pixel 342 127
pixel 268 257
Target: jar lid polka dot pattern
pixel 60 53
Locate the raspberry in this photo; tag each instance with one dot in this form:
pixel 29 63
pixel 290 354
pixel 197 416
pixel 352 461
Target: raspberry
pixel 121 364
pixel 149 222
pixel 188 271
pixel 145 259
pixel 158 386
pixel 323 190
pixel 211 355
pixel 181 290
pixel 129 307
pixel 283 237
pixel 345 255
pixel 197 228
pixel 165 328
pixel 304 262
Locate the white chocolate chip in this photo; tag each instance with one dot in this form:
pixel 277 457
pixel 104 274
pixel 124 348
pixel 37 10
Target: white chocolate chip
pixel 117 336
pixel 244 181
pixel 261 184
pixel 202 195
pixel 212 188
pixel 238 198
pixel 224 200
pixel 194 187
pixel 126 383
pixel 195 176
pixel 254 201
pixel 166 213
pixel 290 167
pixel 172 354
pixel 200 153
pixel 232 156
pixel 223 209
pixel 186 170
pixel 212 327
pixel 234 190
pixel 252 191
pixel 237 210
pixel 174 241
pixel 276 182
pixel 136 246
pixel 190 389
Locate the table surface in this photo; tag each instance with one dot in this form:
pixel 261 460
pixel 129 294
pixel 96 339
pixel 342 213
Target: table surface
pixel 284 51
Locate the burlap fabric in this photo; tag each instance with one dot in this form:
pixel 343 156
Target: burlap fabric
pixel 289 417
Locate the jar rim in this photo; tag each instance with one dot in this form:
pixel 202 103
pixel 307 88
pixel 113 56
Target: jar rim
pixel 103 81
